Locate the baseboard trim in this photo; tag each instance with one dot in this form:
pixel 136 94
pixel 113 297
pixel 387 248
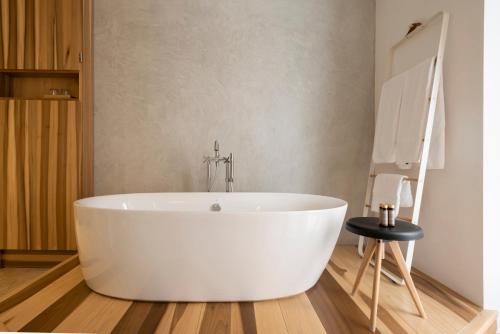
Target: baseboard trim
pixel 33 258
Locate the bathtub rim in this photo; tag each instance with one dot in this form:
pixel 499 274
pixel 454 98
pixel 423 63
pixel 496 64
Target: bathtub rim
pixel 78 204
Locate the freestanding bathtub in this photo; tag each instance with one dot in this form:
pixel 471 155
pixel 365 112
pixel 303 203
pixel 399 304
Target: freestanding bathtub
pixel 178 247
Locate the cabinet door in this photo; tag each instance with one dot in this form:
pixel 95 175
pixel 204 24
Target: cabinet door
pixel 41 34
pixel 39 167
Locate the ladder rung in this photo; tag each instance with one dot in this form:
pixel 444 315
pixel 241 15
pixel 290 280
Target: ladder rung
pixel 411 179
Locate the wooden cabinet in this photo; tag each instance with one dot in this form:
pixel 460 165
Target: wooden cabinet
pixel 41 34
pixel 41 165
pixel 45 141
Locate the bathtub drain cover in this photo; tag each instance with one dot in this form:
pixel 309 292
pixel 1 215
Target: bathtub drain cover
pixel 215 207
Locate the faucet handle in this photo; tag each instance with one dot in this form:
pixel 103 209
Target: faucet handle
pixel 216 146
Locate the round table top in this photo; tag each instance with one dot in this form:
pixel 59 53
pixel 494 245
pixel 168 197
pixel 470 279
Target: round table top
pixel 369 227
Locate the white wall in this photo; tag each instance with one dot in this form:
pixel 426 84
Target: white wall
pixel 286 86
pixel 491 156
pixel 451 215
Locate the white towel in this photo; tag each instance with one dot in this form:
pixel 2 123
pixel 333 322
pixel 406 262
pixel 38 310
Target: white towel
pixel 413 112
pixel 384 145
pixel 391 188
pixel 401 119
pixel 406 195
pixel 437 146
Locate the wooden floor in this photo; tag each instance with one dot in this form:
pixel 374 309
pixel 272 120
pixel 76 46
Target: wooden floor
pixel 60 301
pixel 11 278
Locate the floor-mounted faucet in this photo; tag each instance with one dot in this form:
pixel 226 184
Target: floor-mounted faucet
pixel 216 159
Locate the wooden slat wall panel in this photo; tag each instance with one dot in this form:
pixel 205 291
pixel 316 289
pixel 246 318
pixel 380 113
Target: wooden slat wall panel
pixel 41 34
pixel 3 171
pixel 40 150
pixel 16 154
pixel 68 34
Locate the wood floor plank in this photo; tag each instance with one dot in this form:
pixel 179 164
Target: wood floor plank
pixel 385 316
pixel 12 278
pixel 166 321
pixel 67 305
pixel 141 317
pixel 396 299
pixel 186 318
pixel 445 296
pixel 96 314
pixel 247 314
pixel 339 270
pixel 268 317
pixel 52 316
pixel 332 319
pixel 30 288
pixel 21 314
pixel 484 322
pixel 299 315
pixel 216 319
pixel 236 321
pixel 4 328
pixel 356 321
pixel 398 310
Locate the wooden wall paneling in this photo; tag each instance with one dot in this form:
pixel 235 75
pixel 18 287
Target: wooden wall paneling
pixel 61 208
pixel 68 34
pixel 26 173
pixel 52 177
pixel 3 41
pixel 18 34
pixel 3 172
pixel 72 172
pixel 41 34
pixel 29 35
pixel 15 153
pixel 35 128
pixel 86 96
pixel 9 33
pixel 44 166
pixel 40 163
pixel 44 34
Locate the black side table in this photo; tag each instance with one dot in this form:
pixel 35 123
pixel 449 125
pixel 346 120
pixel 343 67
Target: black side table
pixel 377 235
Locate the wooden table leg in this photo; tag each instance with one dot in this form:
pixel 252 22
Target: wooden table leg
pixel 396 251
pixel 367 256
pixel 379 252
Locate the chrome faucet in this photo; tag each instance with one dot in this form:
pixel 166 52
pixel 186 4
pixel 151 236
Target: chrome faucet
pixel 216 159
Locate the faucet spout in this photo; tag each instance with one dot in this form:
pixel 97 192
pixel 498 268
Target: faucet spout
pixel 228 161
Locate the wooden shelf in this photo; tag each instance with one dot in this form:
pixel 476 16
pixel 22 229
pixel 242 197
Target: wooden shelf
pixel 40 72
pixel 32 84
pixel 3 98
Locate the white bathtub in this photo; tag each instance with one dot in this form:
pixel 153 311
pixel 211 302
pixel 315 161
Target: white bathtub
pixel 172 247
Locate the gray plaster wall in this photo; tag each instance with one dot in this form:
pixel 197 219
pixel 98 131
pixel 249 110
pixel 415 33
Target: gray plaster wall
pixel 287 86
